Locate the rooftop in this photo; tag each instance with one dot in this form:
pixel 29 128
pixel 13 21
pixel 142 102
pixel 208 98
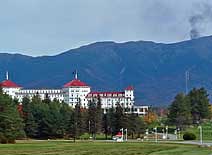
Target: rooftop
pixel 9 84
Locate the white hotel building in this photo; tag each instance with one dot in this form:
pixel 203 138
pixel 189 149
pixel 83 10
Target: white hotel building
pixel 74 92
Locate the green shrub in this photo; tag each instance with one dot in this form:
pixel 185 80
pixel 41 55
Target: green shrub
pixel 3 139
pixel 189 136
pixel 85 136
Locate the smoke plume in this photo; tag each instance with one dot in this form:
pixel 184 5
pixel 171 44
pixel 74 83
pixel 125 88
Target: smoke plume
pixel 199 20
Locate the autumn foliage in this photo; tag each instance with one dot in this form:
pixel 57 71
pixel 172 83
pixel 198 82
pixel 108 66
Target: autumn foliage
pixel 150 118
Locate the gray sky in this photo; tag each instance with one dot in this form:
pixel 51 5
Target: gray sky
pixel 49 27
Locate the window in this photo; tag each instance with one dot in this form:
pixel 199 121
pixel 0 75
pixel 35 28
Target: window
pixel 141 110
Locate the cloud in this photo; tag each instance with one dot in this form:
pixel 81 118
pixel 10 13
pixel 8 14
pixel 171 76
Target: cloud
pixel 201 17
pixel 46 27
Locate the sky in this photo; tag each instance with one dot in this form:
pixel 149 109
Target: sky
pixel 49 27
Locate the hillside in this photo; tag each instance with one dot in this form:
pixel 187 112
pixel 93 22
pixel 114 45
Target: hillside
pixel 156 70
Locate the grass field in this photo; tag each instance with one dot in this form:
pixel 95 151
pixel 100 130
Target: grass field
pixel 99 148
pixel 206 128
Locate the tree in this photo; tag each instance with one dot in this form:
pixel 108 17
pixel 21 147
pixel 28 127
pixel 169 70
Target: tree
pixel 98 118
pixel 210 108
pixel 111 121
pixel 11 126
pixel 67 119
pixel 47 99
pixel 71 126
pixel 199 102
pixel 180 111
pixel 92 118
pixel 77 123
pixel 30 126
pixel 47 119
pixel 105 124
pixel 40 113
pixel 140 126
pixel 135 124
pixel 55 120
pixel 120 118
pixel 150 117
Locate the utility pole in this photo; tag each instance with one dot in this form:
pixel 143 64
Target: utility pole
pixel 7 75
pixel 175 132
pixel 167 128
pixel 178 131
pixel 147 133
pixel 156 135
pixel 126 134
pixel 89 128
pixel 186 81
pixel 200 134
pixel 122 134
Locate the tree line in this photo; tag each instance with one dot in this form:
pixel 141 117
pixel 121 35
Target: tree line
pixel 45 119
pixel 191 108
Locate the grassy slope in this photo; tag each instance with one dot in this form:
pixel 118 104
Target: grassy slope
pixel 207 131
pixel 97 148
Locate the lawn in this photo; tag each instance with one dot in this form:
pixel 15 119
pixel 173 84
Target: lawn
pixel 206 128
pixel 99 148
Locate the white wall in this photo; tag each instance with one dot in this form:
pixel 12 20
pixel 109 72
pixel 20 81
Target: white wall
pixel 52 94
pixel 11 91
pixel 72 95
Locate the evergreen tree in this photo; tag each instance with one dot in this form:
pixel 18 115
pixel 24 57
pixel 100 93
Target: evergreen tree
pixel 98 118
pixel 77 126
pixel 67 119
pixel 105 124
pixel 11 126
pixel 47 99
pixel 55 120
pixel 111 121
pixel 30 126
pixel 180 111
pixel 131 124
pixel 92 118
pixel 47 119
pixel 71 129
pixel 41 115
pixel 139 126
pixel 120 118
pixel 85 123
pixel 199 102
pixel 135 125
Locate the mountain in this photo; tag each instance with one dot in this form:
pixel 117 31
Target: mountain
pixel 156 70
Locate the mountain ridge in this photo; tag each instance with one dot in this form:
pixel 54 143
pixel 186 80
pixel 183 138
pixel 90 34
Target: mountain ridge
pixel 157 70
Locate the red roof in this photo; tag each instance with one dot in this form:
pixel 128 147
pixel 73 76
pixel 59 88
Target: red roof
pixel 119 134
pixel 98 93
pixel 129 88
pixel 105 94
pixel 9 84
pixel 76 83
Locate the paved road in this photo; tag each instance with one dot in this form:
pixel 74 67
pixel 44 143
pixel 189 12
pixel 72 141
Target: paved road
pixel 207 143
pixel 172 139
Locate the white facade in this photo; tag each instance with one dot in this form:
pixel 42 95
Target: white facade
pixel 75 92
pixel 43 93
pixel 11 91
pixel 10 87
pixel 141 110
pixel 111 99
